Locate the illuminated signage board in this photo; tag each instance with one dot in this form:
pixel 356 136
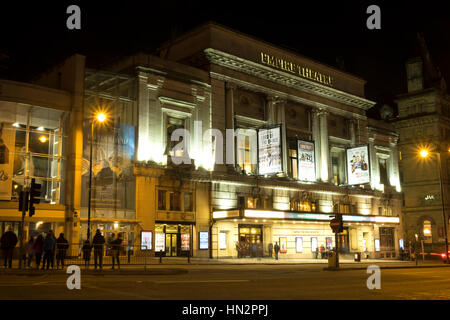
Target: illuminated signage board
pixel 160 242
pixel 146 240
pixel 185 239
pixel 306 161
pixel 203 240
pixel 377 244
pixel 358 165
pixel 302 71
pixel 299 244
pixel 222 240
pixel 269 151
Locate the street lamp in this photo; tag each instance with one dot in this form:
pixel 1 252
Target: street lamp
pixel 100 117
pixel 424 153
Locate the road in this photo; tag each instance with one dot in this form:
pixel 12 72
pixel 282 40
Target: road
pixel 249 282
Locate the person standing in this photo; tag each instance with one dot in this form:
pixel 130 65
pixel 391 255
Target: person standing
pixel 8 242
pixel 37 248
pixel 48 249
pixel 238 249
pixel 116 246
pixel 61 249
pixel 277 249
pixel 270 249
pixel 29 251
pixel 86 252
pixel 322 252
pixel 98 242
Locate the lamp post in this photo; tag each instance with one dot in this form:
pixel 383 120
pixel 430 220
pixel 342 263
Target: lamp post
pixel 100 117
pixel 424 154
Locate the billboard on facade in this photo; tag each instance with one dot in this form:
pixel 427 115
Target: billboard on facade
pixel 306 161
pixel 185 240
pixel 283 244
pixel 160 242
pixel 269 151
pixel 146 240
pixel 204 240
pixel 358 165
pixel 7 145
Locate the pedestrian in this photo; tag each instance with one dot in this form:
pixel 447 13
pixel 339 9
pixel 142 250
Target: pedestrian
pixel 61 249
pixel 48 249
pixel 277 249
pixel 8 242
pixel 238 249
pixel 322 252
pixel 270 247
pixel 116 246
pixel 98 242
pixel 37 248
pixel 86 252
pixel 29 251
pixel 254 249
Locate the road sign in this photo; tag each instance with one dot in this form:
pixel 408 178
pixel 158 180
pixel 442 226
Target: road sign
pixel 335 224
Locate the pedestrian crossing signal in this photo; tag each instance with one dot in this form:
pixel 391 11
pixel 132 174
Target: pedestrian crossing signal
pixel 35 193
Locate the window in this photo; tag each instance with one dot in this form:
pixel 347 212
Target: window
pixel 427 228
pixel 172 125
pixel 175 201
pixel 162 200
pixel 293 166
pixel 383 171
pixel 188 201
pixel 247 150
pixel 252 203
pixel 338 166
pixel 32 138
pixel 387 239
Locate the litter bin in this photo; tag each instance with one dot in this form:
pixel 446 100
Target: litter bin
pixel 331 259
pixel 357 256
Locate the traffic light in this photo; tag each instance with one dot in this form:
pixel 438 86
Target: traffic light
pixel 21 201
pixel 341 223
pixel 35 193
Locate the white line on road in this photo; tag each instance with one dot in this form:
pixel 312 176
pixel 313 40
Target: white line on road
pixel 196 281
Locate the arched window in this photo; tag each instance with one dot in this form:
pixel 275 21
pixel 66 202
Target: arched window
pixel 427 228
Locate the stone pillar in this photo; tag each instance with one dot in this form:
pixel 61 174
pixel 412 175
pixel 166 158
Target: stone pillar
pixel 394 174
pixel 351 126
pixel 374 172
pixel 281 119
pixel 324 149
pixel 143 149
pixel 271 109
pixel 316 138
pixel 230 89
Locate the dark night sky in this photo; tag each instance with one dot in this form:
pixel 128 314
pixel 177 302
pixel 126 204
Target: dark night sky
pixel 35 36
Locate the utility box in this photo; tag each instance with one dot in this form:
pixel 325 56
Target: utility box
pixel 331 259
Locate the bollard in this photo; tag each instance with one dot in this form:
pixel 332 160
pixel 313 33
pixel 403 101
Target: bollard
pixel 160 256
pixel 189 256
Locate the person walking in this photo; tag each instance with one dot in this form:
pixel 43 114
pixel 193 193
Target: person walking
pixel 238 249
pixel 116 246
pixel 48 249
pixel 86 252
pixel 322 252
pixel 29 251
pixel 276 249
pixel 98 242
pixel 8 242
pixel 37 248
pixel 61 250
pixel 270 247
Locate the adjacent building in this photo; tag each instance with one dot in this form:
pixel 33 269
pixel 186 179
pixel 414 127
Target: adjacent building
pixel 272 145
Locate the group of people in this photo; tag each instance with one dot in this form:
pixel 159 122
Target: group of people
pixel 98 243
pixel 275 249
pixel 39 248
pixel 322 252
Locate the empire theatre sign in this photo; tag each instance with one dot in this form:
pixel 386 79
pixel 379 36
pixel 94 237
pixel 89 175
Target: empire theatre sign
pixel 296 69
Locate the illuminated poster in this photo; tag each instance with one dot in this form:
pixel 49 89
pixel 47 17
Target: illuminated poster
pixel 7 145
pixel 269 151
pixel 146 240
pixel 358 165
pixel 185 238
pixel 329 243
pixel 222 240
pixel 160 242
pixel 400 244
pixel 306 165
pixel 204 240
pixel 299 244
pixel 283 245
pixel 377 244
pixel 313 244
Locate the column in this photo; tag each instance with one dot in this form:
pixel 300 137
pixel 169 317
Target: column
pixel 316 138
pixel 351 126
pixel 143 142
pixel 374 172
pixel 324 149
pixel 270 109
pixel 281 119
pixel 230 89
pixel 394 174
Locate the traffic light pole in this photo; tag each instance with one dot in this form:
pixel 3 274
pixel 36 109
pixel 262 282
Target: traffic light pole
pixel 336 240
pixel 24 210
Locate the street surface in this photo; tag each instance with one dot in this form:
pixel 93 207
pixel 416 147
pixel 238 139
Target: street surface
pixel 231 282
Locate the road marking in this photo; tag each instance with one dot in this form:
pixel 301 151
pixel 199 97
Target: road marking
pixel 197 281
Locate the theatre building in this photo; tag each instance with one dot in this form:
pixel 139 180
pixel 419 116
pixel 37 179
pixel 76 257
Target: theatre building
pixel 275 145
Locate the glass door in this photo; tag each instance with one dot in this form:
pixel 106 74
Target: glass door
pixel 171 245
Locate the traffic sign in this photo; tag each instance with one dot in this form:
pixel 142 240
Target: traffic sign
pixel 335 224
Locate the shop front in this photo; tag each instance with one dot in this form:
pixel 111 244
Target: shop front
pixel 173 239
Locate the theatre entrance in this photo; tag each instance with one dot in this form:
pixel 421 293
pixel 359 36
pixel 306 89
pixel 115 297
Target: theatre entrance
pixel 250 241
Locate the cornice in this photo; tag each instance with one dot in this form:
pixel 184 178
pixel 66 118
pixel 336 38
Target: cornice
pixel 267 73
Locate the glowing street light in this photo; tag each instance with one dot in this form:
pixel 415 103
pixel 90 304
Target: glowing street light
pixel 43 139
pixel 100 117
pixel 424 153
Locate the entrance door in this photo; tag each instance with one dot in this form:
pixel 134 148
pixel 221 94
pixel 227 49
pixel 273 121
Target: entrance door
pixel 250 240
pixel 171 244
pixel 343 241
